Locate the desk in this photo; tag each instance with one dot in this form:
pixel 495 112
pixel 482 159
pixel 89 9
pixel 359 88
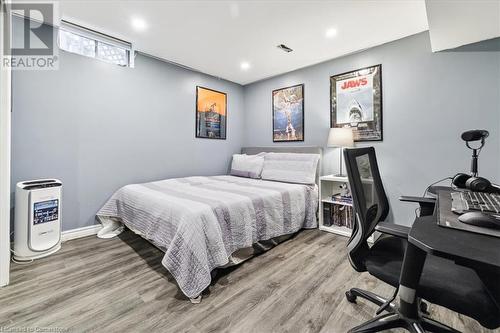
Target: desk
pixel 477 251
pixel 465 248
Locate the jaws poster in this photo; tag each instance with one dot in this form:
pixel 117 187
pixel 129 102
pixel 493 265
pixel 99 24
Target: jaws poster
pixel 356 101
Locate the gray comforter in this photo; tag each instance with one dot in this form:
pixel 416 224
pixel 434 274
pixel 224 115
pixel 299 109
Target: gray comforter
pixel 200 221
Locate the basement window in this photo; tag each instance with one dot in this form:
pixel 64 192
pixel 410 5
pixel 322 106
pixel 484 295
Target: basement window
pixel 74 43
pixel 89 43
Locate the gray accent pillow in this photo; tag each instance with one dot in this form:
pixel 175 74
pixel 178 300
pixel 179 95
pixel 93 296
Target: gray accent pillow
pixel 249 166
pixel 290 167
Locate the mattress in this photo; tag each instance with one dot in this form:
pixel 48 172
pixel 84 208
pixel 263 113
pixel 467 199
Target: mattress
pixel 199 222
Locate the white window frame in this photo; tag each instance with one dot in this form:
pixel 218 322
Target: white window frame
pixel 99 37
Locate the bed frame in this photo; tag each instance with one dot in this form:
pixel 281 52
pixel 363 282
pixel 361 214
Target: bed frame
pixel 288 149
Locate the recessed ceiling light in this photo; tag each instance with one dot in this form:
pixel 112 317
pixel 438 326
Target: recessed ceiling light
pixel 139 24
pixel 330 33
pixel 245 65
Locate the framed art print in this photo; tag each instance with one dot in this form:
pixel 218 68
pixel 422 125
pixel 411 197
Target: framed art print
pixel 211 113
pixel 288 114
pixel 356 101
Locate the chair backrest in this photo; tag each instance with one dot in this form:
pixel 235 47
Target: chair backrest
pixel 369 201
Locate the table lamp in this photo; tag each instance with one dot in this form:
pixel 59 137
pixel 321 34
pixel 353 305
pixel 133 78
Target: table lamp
pixel 340 137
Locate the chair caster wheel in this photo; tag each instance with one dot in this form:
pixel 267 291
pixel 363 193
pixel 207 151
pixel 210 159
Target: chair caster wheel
pixel 350 297
pixel 424 308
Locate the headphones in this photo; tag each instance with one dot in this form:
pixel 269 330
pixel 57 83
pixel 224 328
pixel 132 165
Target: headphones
pixel 477 184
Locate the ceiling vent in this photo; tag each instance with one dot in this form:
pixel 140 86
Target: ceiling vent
pixel 284 48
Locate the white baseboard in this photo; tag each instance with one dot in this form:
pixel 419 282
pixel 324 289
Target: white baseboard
pixel 80 232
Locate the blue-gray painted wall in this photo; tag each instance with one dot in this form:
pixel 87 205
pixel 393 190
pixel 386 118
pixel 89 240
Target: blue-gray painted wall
pixel 428 100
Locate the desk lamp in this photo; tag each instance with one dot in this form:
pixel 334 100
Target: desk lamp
pixel 340 137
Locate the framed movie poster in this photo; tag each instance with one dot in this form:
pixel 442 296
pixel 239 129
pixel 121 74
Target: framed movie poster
pixel 356 101
pixel 211 113
pixel 288 114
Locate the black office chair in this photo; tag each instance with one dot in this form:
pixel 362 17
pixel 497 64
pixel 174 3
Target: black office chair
pixel 442 281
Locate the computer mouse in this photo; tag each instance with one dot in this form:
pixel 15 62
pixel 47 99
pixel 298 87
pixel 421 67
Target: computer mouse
pixel 480 220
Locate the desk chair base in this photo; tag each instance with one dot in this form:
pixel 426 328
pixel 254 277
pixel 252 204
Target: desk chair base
pixel 393 318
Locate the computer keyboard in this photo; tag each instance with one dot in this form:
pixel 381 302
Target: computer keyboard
pixel 475 201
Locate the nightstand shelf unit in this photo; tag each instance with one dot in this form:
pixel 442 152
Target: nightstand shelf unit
pixel 330 185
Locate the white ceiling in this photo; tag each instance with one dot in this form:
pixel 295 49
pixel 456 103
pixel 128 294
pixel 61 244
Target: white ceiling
pixel 214 37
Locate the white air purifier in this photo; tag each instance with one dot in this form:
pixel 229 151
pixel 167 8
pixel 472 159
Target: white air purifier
pixel 37 223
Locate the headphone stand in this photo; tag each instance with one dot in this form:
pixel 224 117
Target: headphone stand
pixel 475 156
pixel 473 165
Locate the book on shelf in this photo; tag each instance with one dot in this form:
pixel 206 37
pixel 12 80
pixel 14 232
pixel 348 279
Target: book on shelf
pixel 337 215
pixel 327 220
pixel 343 199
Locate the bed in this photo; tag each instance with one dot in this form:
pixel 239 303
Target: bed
pixel 203 223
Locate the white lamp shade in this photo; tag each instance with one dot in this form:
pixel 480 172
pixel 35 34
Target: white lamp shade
pixel 340 137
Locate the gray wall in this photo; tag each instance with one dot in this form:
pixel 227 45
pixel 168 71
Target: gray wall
pixel 428 100
pixel 98 126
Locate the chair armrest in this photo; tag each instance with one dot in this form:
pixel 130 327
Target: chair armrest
pixel 420 200
pixel 426 204
pixel 393 229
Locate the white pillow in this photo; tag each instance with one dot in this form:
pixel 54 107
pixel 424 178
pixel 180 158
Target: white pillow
pixel 290 167
pixel 249 166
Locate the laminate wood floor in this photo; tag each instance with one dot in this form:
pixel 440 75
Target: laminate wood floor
pixel 119 285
